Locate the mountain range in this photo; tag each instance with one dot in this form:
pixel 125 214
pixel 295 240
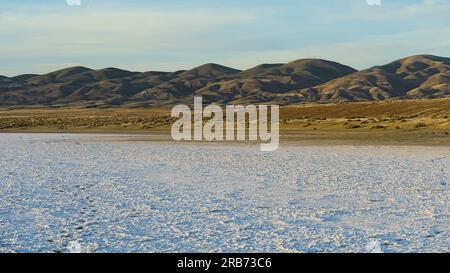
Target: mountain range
pixel 301 81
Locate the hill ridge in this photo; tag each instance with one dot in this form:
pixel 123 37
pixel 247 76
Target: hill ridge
pixel 299 81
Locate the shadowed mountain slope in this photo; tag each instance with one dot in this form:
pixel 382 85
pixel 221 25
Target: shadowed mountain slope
pixel 264 83
pixel 305 80
pixel 422 76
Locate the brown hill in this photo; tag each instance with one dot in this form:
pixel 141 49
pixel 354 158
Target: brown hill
pixel 306 80
pixel 422 76
pixel 264 82
pixel 184 83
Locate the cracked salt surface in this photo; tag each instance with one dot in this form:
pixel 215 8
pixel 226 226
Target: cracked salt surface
pixel 100 193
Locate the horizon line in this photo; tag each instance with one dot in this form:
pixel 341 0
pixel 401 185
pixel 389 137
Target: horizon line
pixel 213 63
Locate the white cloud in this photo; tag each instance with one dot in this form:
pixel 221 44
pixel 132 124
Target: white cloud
pixel 73 2
pixel 43 39
pixel 374 2
pixel 394 10
pixel 114 30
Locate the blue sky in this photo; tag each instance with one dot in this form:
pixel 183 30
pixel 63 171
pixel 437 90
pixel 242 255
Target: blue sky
pixel 42 36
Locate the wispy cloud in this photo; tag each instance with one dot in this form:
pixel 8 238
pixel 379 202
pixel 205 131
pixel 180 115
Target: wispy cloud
pixel 141 35
pixel 139 29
